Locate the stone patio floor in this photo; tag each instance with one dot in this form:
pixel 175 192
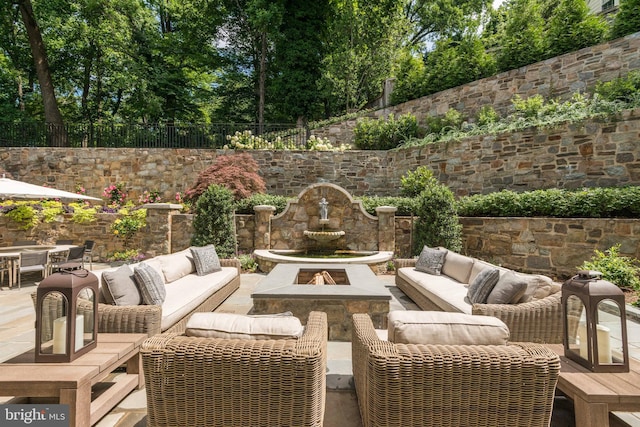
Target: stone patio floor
pixel 17 318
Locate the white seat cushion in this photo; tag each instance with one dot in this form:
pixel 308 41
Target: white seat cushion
pixel 446 293
pixel 436 327
pixel 188 292
pixel 238 326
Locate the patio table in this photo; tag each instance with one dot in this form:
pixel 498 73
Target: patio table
pixel 12 254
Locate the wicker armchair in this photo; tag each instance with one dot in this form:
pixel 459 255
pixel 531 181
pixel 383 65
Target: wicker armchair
pixel 219 382
pixel 537 321
pixel 440 386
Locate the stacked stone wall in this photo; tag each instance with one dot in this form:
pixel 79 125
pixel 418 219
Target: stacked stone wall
pixel 557 77
pixel 553 246
pixel 594 153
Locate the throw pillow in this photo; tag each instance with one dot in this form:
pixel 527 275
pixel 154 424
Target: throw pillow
pixel 151 284
pixel 435 327
pixel 430 260
pixel 206 259
pixel 119 287
pixel 238 326
pixel 482 285
pixel 508 290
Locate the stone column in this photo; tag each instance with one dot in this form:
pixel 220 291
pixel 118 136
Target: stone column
pixel 157 235
pixel 262 237
pixel 386 228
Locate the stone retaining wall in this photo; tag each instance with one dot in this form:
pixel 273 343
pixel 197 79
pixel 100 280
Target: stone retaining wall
pixel 554 246
pixel 557 77
pixel 594 153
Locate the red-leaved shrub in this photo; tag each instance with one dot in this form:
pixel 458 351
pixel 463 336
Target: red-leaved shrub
pixel 237 172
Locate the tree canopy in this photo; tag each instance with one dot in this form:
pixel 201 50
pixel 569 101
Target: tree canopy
pixel 207 61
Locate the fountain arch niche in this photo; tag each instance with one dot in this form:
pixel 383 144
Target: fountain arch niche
pixel 324 224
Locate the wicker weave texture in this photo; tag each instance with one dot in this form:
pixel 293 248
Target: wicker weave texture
pixel 216 382
pixel 146 319
pixel 440 386
pixel 537 321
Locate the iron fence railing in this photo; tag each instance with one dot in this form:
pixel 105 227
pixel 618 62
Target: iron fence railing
pixel 34 134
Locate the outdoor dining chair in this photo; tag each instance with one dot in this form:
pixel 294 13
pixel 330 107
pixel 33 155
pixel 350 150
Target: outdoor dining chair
pixel 64 242
pixel 29 262
pixel 88 253
pixel 76 254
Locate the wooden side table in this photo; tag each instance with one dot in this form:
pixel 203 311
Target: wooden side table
pixel 72 383
pixel 595 395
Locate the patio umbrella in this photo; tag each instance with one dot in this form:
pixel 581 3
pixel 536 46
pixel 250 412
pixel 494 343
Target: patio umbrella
pixel 12 189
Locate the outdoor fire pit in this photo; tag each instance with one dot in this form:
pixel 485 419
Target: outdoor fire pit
pixel 297 288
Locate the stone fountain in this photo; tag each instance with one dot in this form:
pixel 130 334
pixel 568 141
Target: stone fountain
pixel 323 222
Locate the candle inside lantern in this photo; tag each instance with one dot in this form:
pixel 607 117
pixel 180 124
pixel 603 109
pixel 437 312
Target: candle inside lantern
pixel 60 334
pixel 604 343
pixel 582 337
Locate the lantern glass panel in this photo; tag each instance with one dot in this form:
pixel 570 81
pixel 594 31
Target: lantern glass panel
pixel 577 326
pixel 52 335
pixel 609 318
pixel 85 327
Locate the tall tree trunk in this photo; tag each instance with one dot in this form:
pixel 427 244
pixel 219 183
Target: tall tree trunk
pixel 52 115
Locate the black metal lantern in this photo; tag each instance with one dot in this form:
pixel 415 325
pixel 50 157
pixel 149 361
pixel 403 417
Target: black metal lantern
pixel 592 308
pixel 69 294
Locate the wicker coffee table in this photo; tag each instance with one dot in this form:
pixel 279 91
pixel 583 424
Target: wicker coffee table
pixel 73 383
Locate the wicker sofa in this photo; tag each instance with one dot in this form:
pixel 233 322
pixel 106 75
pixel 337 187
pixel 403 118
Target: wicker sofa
pixel 197 381
pixel 451 385
pixel 185 295
pixel 539 319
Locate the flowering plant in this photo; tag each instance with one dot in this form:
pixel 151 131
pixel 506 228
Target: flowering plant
pixel 115 193
pixel 128 225
pixel 152 196
pixel 80 189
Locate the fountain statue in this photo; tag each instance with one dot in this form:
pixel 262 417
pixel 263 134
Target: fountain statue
pixel 322 235
pixel 324 211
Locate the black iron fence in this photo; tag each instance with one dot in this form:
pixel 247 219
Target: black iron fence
pixel 216 135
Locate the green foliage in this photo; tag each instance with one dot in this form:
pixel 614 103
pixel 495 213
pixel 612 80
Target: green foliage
pixel 384 134
pixel 298 53
pixel 127 225
pixel 456 61
pixel 410 78
pixel 214 221
pixel 622 202
pixel 522 41
pixel 438 223
pixel 627 20
pixel 24 215
pixel 438 125
pixel 363 41
pixel 487 116
pixel 615 268
pixel 248 263
pixel 407 206
pixel 237 172
pixel 573 27
pixel 535 112
pixel 414 182
pixel 82 213
pixel 530 107
pixel 245 206
pixel 50 210
pixel 624 89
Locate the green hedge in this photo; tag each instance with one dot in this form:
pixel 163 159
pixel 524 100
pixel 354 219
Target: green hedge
pixel 620 202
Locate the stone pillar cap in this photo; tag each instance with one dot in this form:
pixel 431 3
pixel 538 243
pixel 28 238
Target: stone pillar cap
pixel 166 206
pixel 386 209
pixel 258 208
